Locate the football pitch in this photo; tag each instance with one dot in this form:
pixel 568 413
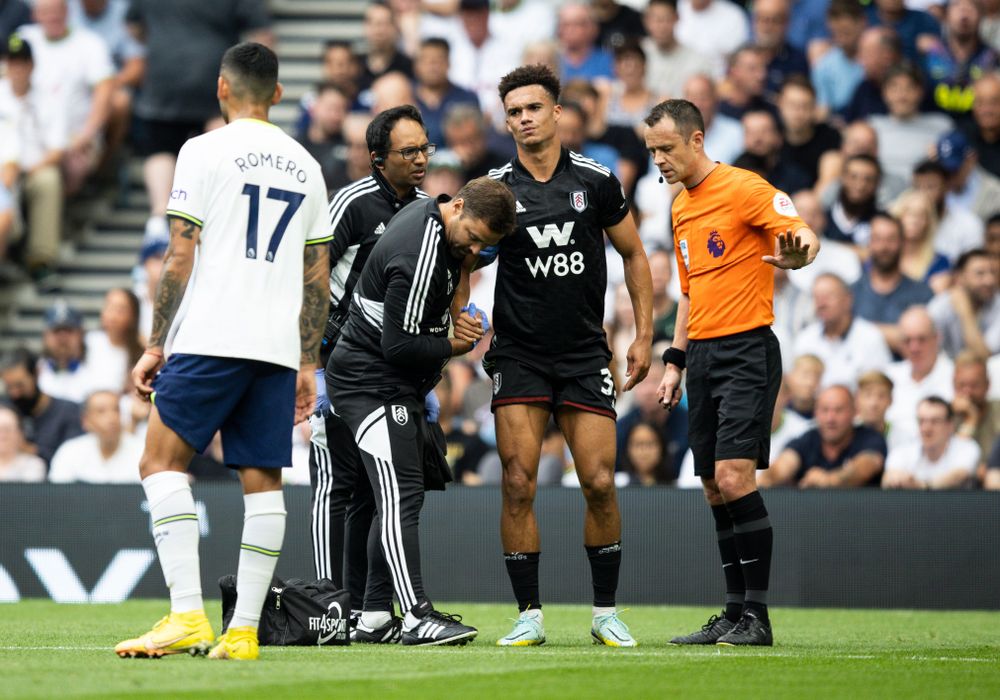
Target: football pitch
pixel 64 651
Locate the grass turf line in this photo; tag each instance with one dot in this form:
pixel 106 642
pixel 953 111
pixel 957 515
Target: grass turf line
pixel 65 651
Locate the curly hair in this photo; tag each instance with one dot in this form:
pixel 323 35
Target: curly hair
pixel 537 74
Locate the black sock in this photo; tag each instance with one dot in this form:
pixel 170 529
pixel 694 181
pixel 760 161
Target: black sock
pixel 522 567
pixel 753 535
pixel 605 561
pixel 735 588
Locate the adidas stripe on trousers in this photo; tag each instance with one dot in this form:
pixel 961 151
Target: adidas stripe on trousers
pixel 390 445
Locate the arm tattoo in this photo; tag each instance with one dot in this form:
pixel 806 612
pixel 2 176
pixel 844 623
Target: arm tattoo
pixel 173 280
pixel 315 301
pixel 187 229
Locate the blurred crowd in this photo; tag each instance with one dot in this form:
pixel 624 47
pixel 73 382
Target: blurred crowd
pixel 881 120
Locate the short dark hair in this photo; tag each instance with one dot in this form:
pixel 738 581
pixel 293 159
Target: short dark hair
pixel 938 401
pixel 377 137
pixel 897 224
pixel 576 107
pixel 907 70
pixel 252 70
pixel 629 47
pixel 331 86
pixel 968 256
pixel 867 159
pixel 930 167
pixel 797 80
pixel 490 201
pixel 994 219
pixel 845 8
pixel 20 357
pixel 337 44
pixel 686 117
pixel 436 42
pixel 669 3
pixel 537 74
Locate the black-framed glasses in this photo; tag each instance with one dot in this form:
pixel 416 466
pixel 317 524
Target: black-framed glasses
pixel 428 149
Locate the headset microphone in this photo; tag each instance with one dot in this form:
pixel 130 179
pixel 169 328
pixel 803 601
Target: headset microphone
pixel 661 179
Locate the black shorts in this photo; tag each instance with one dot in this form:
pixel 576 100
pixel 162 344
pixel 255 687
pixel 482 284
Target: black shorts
pixel 586 385
pixel 153 136
pixel 732 386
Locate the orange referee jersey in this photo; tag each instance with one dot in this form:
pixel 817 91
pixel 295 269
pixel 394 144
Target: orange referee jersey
pixel 722 229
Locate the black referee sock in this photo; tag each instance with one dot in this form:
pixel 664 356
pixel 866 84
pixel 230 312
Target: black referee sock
pixel 605 561
pixel 735 588
pixel 753 535
pixel 522 568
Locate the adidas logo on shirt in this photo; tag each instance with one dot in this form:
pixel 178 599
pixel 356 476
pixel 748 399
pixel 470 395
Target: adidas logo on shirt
pixel 519 208
pixel 380 229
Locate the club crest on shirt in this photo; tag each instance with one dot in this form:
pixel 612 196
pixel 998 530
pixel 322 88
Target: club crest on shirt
pixel 497 381
pixel 716 246
pixel 400 414
pixel 578 200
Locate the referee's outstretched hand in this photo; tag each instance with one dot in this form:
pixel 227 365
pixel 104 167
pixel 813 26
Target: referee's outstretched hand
pixel 792 254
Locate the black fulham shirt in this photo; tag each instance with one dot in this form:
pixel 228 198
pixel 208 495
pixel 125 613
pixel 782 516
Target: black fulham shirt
pixel 395 341
pixel 553 273
pixel 359 214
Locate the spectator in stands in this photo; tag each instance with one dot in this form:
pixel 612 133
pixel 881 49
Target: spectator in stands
pixel 989 26
pixel 765 153
pixel 465 448
pixel 905 135
pixel 382 54
pixel 806 139
pixel 847 345
pixel 7 215
pixel 953 63
pixel 324 137
pixel 106 19
pixel 924 371
pixel 969 186
pixel 579 56
pixel 62 370
pixel 174 105
pixel 480 56
pixel 435 94
pixel 616 23
pixel 723 135
pixel 664 306
pixel 857 138
pixel 104 454
pixel 770 33
pixel 628 98
pixel 523 22
pixel 968 315
pixel 646 460
pixel 151 256
pixel 991 477
pixel 572 130
pixel 837 73
pixel 873 401
pixel 878 51
pixel 983 129
pixel 917 30
pixel 357 159
pixel 940 460
pixel 444 175
pixel 883 293
pixel 976 416
pixel 715 28
pixel 959 230
pixel 834 454
pixel 47 422
pixel 115 348
pixel 37 151
pixel 339 67
pixel 672 425
pixel 74 74
pixel 804 382
pixel 669 64
pixel 992 239
pixel 15 463
pixel 838 258
pixel 746 78
pixel 849 219
pixel 13 13
pixel 465 134
pixel 918 260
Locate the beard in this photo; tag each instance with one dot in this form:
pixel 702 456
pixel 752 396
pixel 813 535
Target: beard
pixel 26 404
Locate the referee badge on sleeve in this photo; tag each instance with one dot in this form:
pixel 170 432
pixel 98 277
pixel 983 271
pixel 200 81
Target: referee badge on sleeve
pixel 400 414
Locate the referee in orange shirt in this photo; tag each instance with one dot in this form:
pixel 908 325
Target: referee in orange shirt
pixel 730 226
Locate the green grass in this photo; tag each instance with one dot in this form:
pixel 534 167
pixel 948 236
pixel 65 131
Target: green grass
pixel 64 651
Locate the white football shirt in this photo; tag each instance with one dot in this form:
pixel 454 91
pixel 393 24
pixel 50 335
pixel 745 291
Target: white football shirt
pixel 259 199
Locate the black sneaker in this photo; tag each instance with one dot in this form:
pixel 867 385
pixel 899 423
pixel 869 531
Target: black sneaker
pixel 438 628
pixel 749 631
pixel 709 633
pixel 389 633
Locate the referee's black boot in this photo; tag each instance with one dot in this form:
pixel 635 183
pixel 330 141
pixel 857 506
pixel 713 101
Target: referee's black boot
pixel 389 633
pixel 709 633
pixel 751 630
pixel 437 629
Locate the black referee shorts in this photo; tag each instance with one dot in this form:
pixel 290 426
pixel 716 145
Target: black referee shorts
pixel 732 386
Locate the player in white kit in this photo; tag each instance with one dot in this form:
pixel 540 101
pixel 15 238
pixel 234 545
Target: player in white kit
pixel 252 203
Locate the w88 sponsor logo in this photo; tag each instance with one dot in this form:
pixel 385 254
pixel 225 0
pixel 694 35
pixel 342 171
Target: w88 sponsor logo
pixel 559 264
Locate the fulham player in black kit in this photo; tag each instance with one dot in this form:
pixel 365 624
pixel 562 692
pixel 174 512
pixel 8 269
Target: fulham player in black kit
pixel 389 355
pixel 549 354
